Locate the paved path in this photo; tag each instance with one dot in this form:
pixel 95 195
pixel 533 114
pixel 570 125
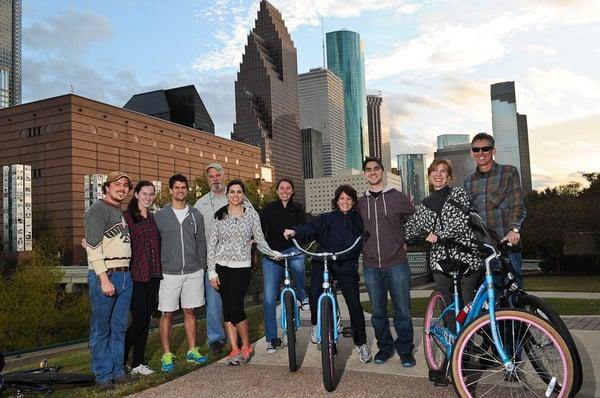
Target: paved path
pixel 267 375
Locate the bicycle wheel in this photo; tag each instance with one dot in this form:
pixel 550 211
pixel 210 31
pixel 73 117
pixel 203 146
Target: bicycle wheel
pixel 545 370
pixel 327 345
pixel 290 324
pixel 47 378
pixel 435 350
pixel 539 307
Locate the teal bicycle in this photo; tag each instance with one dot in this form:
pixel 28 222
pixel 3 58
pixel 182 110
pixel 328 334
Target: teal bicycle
pixel 328 333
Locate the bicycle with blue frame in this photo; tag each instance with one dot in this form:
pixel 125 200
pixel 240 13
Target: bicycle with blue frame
pixel 494 351
pixel 327 333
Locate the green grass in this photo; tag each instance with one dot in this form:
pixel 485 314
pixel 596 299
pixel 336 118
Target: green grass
pixel 562 306
pixel 562 283
pixel 78 361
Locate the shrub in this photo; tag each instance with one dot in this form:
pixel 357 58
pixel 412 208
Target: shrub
pixel 571 264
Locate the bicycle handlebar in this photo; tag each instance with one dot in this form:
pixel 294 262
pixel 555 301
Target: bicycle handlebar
pixel 327 254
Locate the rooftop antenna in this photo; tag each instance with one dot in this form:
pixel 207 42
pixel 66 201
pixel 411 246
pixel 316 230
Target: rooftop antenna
pixel 323 42
pixel 71 89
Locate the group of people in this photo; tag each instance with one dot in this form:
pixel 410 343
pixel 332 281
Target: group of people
pixel 190 256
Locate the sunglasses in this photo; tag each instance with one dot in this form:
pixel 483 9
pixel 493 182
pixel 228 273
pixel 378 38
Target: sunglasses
pixel 477 149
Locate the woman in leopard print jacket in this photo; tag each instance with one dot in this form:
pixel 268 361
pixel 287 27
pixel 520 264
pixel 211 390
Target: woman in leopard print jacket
pixel 447 228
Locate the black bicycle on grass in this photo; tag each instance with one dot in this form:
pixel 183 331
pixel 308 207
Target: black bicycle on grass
pixel 40 380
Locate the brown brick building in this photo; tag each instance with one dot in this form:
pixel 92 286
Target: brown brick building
pixel 67 137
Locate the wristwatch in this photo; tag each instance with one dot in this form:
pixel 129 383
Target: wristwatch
pixel 516 230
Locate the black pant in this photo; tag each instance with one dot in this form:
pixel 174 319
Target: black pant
pixel 348 283
pixel 234 285
pixel 143 303
pixel 466 290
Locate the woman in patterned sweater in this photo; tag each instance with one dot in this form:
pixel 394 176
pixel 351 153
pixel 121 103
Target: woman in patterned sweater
pixel 229 264
pixel 445 225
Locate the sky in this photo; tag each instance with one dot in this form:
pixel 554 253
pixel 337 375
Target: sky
pixel 433 61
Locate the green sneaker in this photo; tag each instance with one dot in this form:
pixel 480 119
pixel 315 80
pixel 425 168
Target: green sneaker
pixel 194 356
pixel 166 362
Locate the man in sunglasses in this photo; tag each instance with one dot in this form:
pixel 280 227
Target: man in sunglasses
pixel 496 194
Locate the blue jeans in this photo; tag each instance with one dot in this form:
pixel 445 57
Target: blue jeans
pixel 214 314
pixel 273 274
pixel 516 261
pixel 108 324
pixel 396 281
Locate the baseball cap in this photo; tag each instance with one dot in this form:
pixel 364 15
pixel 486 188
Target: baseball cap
pixel 116 175
pixel 216 166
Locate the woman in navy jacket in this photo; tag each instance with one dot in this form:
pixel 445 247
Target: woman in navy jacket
pixel 334 232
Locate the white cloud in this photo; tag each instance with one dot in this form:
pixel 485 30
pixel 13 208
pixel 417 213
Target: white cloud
pixel 555 82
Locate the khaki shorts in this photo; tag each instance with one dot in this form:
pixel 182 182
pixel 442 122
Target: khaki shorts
pixel 187 289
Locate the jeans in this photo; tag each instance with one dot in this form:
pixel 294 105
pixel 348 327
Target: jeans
pixel 396 281
pixel 273 274
pixel 108 324
pixel 516 260
pixel 214 314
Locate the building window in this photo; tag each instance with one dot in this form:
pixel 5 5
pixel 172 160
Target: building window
pixel 34 131
pixel 36 173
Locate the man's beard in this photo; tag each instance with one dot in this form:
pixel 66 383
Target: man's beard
pixel 216 187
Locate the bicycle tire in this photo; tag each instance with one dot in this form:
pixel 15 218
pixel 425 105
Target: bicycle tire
pixel 290 324
pixel 327 345
pixel 435 351
pixel 48 378
pixel 539 307
pixel 471 378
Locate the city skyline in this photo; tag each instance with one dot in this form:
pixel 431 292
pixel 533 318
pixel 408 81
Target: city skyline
pixel 433 62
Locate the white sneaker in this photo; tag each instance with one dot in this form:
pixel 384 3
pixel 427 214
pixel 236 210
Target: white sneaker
pixel 313 334
pixel 305 305
pixel 142 370
pixel 364 353
pixel 283 341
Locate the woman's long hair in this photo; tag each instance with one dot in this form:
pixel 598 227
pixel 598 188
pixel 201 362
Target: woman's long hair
pixel 220 214
pixel 133 207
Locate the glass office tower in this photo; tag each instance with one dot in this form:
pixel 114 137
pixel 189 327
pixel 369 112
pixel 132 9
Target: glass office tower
pixel 10 53
pixel 345 58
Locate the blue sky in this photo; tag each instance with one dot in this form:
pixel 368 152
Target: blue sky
pixel 433 61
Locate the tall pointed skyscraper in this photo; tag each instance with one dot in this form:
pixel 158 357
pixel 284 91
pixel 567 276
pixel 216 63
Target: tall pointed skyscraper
pixel 266 97
pixel 346 58
pixel 10 53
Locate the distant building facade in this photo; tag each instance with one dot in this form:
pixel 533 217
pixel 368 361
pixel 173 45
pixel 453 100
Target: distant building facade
pixel 413 169
pixel 71 142
pixel 379 130
pixel 319 191
pixel 461 160
pixel 510 131
pixel 321 97
pixel 345 58
pixel 10 53
pixel 444 140
pixel 181 105
pixel 266 96
pixel 312 153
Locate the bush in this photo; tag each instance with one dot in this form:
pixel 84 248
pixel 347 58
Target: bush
pixel 571 264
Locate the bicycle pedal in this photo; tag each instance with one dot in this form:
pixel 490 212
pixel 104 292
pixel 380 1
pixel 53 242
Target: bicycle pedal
pixel 438 378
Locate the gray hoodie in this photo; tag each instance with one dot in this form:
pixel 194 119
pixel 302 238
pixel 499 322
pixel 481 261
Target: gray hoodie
pixel 183 246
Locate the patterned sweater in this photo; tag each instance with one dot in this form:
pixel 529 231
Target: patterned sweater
pixel 229 242
pixel 452 224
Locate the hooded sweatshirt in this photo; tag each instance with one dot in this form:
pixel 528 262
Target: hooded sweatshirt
pixel 383 218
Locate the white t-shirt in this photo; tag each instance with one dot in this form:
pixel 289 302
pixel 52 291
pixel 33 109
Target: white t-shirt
pixel 181 213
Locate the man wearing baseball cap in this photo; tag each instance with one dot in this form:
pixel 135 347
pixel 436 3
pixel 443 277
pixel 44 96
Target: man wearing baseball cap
pixel 108 250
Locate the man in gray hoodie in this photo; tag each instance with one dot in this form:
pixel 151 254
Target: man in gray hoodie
pixel 384 211
pixel 183 258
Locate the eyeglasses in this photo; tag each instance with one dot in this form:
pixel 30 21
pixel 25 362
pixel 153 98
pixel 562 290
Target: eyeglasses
pixel 477 149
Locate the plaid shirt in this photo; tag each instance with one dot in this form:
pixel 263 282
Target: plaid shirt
pixel 145 248
pixel 497 197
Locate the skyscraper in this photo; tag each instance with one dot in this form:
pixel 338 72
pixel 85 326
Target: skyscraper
pixel 460 157
pixel 321 96
pixel 345 58
pixel 413 170
pixel 266 96
pixel 10 53
pixel 510 131
pixel 312 153
pixel 443 140
pixel 379 132
pixel 181 105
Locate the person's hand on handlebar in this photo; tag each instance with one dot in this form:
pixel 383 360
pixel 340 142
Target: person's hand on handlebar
pixel 276 255
pixel 431 238
pixel 289 233
pixel 512 238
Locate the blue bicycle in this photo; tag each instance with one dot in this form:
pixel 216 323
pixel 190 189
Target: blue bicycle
pixel 328 333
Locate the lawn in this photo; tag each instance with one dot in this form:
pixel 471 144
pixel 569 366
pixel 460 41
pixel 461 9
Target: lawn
pixel 78 361
pixel 561 305
pixel 563 283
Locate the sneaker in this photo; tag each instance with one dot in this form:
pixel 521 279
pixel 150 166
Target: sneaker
pixel 313 334
pixel 271 347
pixel 216 348
pixel 382 356
pixel 142 369
pixel 105 386
pixel 234 357
pixel 305 305
pixel 126 378
pixel 194 356
pixel 247 353
pixel 364 353
pixel 166 362
pixel 408 361
pixel 283 341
